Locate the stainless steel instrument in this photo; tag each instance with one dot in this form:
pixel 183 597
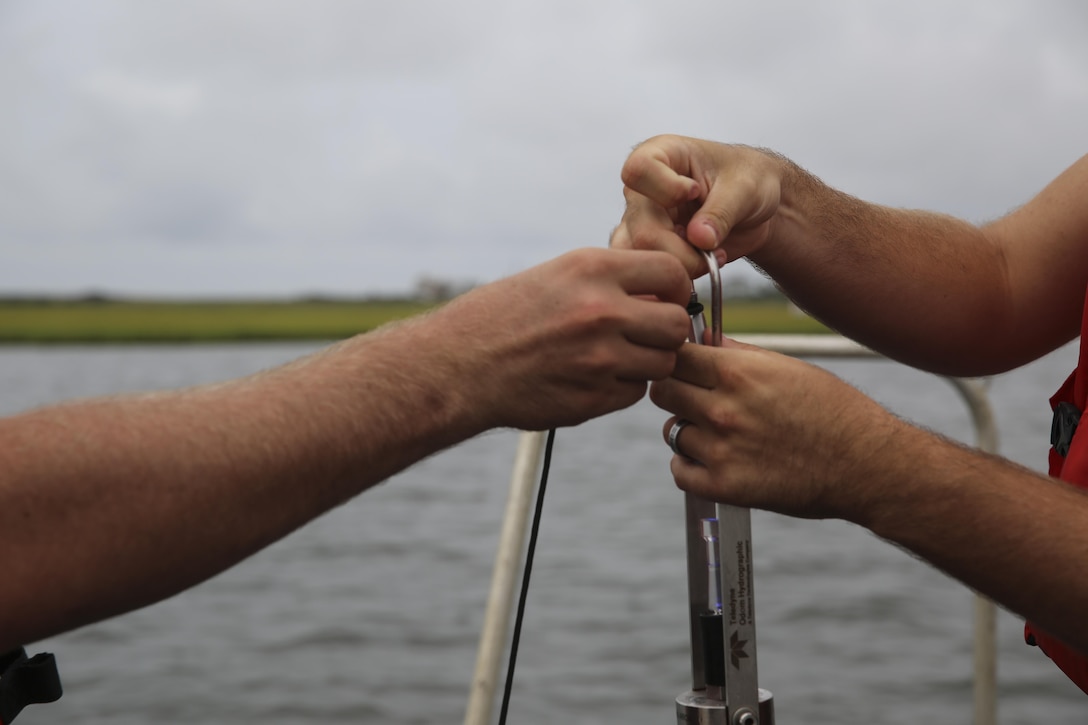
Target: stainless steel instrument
pixel 725 687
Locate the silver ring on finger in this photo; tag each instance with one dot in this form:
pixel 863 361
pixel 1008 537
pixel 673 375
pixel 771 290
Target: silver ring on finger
pixel 674 435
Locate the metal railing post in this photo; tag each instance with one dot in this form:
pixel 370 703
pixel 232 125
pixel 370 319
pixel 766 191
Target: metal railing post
pixel 485 679
pixel 974 393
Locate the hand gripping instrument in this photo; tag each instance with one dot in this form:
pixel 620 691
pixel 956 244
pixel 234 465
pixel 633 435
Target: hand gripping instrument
pixel 724 689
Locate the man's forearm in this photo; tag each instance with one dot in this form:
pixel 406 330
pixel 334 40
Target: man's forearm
pixel 1016 536
pixel 112 504
pixel 108 505
pixel 934 291
pixel 924 288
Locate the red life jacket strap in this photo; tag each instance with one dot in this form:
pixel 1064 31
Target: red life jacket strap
pixel 1069 462
pixel 1072 663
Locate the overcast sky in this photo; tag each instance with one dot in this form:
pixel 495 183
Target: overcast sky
pixel 278 148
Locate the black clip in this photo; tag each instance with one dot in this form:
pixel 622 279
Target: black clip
pixel 25 681
pixel 1062 428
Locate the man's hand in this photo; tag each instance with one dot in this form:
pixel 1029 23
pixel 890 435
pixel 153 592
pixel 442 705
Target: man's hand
pixel 568 340
pixel 771 432
pixel 682 192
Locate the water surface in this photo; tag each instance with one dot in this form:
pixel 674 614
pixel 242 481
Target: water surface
pixel 372 613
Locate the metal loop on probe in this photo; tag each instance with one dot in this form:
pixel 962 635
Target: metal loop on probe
pixel 715 299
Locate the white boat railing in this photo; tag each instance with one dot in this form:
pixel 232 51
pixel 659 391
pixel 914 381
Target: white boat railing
pixel 515 523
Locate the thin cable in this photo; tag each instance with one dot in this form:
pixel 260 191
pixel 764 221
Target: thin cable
pixel 525 576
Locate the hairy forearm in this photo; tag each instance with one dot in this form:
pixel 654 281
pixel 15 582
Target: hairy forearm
pixel 923 288
pixel 1015 536
pixel 112 504
pixel 931 290
pixel 108 505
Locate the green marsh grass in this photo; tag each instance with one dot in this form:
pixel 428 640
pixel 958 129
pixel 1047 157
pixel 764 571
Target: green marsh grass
pixel 156 321
pixel 125 321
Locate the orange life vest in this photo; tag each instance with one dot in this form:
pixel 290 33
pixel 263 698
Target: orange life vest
pixel 1069 462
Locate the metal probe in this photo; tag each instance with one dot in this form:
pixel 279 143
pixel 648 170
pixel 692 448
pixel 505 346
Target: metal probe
pixel 725 689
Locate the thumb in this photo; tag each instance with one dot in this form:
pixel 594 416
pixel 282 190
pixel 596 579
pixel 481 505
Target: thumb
pixel 744 202
pixel 720 212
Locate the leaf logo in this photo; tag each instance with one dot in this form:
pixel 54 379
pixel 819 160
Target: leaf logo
pixel 736 649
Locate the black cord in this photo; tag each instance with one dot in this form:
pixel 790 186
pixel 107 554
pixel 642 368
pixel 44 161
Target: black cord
pixel 525 576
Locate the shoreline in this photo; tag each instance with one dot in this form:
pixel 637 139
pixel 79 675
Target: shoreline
pixel 88 322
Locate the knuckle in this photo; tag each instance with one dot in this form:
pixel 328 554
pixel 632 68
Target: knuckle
pixel 729 376
pixel 720 450
pixel 662 395
pixel 658 390
pixel 629 395
pixel 657 397
pixel 569 262
pixel 659 141
pixel 681 329
pixel 643 237
pixel 593 262
pixel 619 238
pixel 636 168
pixel 678 474
pixel 677 275
pixel 595 312
pixel 662 365
pixel 597 360
pixel 721 417
pixel 676 324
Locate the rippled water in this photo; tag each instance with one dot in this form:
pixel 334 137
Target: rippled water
pixel 372 613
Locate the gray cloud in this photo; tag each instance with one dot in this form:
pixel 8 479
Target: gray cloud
pixel 282 147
